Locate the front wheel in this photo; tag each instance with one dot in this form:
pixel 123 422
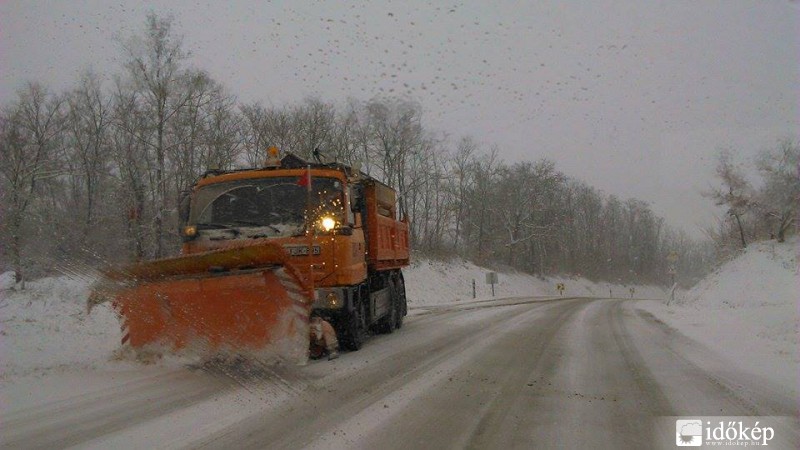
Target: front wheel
pixel 356 333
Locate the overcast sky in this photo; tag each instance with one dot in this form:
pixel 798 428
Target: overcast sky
pixel 634 97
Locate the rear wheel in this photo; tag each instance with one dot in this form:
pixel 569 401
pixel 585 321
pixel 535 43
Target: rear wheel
pixel 389 322
pixel 399 302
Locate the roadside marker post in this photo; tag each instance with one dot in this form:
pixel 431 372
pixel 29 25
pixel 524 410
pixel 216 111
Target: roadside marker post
pixel 491 278
pixel 672 258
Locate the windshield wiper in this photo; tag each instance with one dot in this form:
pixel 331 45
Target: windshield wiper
pixel 214 225
pixel 257 224
pixel 219 226
pixel 248 222
pixel 232 225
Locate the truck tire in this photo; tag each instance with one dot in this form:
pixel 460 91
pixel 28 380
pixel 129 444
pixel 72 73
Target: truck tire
pixel 388 323
pixel 400 302
pixel 356 332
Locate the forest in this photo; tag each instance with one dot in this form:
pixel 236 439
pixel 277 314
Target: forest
pixel 92 176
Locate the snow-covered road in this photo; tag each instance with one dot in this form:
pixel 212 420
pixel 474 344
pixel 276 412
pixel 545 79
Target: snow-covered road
pixel 513 373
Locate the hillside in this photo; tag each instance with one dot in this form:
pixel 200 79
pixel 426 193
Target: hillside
pixel 747 310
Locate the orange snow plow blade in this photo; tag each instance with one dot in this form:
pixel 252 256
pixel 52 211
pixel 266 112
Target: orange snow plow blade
pixel 241 300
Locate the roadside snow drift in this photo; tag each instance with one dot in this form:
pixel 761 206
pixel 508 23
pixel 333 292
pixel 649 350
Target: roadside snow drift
pixel 747 310
pixel 46 326
pixel 430 282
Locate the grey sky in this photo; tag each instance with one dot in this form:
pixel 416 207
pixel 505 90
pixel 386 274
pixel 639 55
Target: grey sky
pixel 633 97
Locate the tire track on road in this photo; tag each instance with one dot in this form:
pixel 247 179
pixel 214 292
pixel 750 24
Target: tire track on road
pixel 651 394
pixel 470 406
pixel 336 400
pixel 72 421
pixel 534 362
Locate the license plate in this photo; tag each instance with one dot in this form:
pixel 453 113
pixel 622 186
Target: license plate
pixel 301 250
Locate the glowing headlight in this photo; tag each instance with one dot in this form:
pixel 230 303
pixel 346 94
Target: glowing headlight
pixel 327 223
pixel 190 231
pixel 329 299
pixel 333 300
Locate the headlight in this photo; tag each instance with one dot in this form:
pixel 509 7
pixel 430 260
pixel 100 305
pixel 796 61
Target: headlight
pixel 333 300
pixel 189 232
pixel 329 299
pixel 327 223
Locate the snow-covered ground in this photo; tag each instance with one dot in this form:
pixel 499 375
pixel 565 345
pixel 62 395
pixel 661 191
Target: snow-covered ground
pixel 45 327
pixel 747 310
pixel 430 282
pixel 54 354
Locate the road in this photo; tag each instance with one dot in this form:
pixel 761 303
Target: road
pixel 513 373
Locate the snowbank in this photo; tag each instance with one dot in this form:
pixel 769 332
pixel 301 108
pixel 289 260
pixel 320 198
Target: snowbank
pixel 430 282
pixel 747 310
pixel 7 280
pixel 45 327
pixel 765 274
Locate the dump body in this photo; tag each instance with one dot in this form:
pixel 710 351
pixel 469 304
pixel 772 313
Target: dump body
pixel 388 249
pixel 262 249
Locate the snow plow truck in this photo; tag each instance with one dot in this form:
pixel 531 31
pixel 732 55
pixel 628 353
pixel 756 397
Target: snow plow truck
pixel 262 249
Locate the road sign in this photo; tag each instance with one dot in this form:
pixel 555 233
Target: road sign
pixel 491 278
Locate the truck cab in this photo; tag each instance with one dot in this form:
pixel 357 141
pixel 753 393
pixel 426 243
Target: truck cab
pixel 338 227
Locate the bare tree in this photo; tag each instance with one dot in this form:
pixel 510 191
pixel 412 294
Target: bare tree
pixel 344 141
pixel 779 198
pixel 394 131
pixel 463 168
pixel 314 126
pixel 119 162
pixel 29 134
pixel 255 139
pixel 87 125
pixel 478 223
pixel 154 67
pixel 206 132
pixel 133 161
pixel 735 193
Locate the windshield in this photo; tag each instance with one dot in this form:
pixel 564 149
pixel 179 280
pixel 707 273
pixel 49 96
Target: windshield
pixel 276 202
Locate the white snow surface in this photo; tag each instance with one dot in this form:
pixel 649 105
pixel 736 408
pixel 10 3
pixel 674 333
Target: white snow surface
pixel 45 327
pixel 7 280
pixel 51 349
pixel 430 282
pixel 746 310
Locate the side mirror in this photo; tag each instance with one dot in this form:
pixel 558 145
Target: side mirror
pixel 183 207
pixel 355 198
